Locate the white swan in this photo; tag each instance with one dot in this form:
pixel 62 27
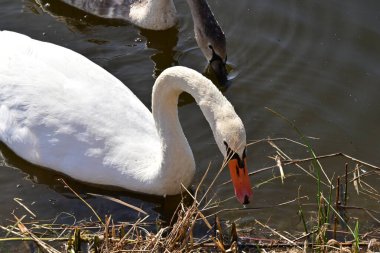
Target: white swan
pixel 162 15
pixel 61 111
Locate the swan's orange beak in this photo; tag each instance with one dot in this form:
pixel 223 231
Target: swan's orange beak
pixel 240 180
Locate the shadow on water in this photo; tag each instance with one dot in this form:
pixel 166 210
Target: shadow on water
pixel 165 206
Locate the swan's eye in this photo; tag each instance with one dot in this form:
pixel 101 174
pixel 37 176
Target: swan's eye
pixel 235 156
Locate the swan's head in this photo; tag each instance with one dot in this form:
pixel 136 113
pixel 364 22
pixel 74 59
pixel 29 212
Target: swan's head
pixel 231 139
pixel 213 46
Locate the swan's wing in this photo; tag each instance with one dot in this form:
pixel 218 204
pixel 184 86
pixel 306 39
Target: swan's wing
pixel 62 111
pixel 148 14
pixel 104 8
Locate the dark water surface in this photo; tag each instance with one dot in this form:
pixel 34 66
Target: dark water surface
pixel 315 62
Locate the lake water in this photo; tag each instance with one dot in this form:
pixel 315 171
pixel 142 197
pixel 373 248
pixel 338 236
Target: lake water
pixel 315 62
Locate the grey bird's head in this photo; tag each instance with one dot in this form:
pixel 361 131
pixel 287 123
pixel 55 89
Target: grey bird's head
pixel 210 38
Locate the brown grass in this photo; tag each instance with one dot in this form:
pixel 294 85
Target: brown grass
pixel 326 229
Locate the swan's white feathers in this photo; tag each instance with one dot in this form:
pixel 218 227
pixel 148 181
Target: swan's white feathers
pixel 148 14
pixel 61 111
pixel 52 97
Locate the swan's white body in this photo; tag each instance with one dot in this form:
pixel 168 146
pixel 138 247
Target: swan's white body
pixel 61 111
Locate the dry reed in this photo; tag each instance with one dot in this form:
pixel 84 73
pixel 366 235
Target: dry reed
pixel 326 228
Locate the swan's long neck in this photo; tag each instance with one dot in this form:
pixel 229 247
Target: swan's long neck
pixel 178 164
pixel 200 11
pixel 206 28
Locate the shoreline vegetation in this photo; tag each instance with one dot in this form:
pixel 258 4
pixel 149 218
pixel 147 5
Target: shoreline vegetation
pixel 330 223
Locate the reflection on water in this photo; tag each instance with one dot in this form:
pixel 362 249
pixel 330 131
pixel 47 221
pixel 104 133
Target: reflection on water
pixel 164 42
pixel 314 62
